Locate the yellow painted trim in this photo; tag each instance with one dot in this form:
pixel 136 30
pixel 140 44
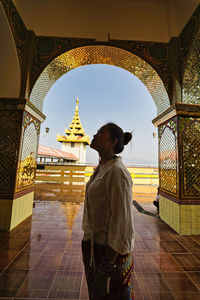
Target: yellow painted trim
pixel 21 209
pixel 184 219
pixel 13 212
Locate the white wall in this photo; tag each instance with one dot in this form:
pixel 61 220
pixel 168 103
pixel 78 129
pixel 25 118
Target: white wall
pixel 79 150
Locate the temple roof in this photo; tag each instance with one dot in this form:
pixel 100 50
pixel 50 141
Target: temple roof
pixel 55 153
pixel 75 133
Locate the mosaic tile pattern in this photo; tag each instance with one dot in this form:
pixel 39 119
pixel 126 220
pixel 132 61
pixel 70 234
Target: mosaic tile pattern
pixel 168 156
pixel 39 260
pixel 191 79
pixel 100 55
pixel 10 124
pixel 191 155
pixel 27 163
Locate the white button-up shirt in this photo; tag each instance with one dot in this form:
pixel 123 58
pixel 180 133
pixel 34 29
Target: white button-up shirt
pixel 108 208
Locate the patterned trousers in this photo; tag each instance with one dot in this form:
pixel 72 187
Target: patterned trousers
pixel 121 280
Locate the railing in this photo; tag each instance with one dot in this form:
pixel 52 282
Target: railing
pixel 55 180
pixel 59 182
pixel 72 174
pixel 61 174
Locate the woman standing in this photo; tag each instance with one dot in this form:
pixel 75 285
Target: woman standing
pixel 108 220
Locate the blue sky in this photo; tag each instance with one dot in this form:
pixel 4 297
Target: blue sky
pixel 106 94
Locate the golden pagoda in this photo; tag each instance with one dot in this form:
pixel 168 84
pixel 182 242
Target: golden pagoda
pixel 75 140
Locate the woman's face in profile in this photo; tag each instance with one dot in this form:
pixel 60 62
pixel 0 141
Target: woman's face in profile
pixel 101 140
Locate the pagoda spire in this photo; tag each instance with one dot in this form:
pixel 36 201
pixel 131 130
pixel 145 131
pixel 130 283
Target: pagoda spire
pixel 77 102
pixel 75 133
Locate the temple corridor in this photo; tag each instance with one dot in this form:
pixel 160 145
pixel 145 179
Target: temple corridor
pixel 157 41
pixel 41 257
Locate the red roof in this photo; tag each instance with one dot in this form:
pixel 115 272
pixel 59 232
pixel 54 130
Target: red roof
pixel 51 152
pixel 169 154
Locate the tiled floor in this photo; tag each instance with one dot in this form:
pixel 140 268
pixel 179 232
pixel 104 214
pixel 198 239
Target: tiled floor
pixel 41 258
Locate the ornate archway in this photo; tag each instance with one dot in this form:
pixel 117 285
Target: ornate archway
pixel 100 55
pixel 170 71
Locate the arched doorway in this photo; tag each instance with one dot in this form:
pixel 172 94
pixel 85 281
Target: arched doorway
pixel 97 54
pixel 56 68
pixel 169 59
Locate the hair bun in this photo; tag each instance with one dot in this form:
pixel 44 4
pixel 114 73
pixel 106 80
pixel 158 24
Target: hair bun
pixel 127 137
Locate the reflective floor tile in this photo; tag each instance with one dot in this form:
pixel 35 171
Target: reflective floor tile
pixel 66 284
pixel 15 244
pixel 55 245
pixel 37 284
pixel 10 282
pixel 49 262
pixel 173 247
pixel 179 283
pixel 144 263
pixel 166 263
pixel 71 262
pixel 191 246
pixel 187 261
pixel 195 278
pixel 25 260
pixel 35 245
pixel 6 256
pixel 152 282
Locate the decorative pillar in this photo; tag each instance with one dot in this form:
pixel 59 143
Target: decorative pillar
pixel 179 167
pixel 19 133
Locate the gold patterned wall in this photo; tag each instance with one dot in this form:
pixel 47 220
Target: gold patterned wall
pixel 191 79
pixel 28 156
pixel 168 156
pixel 190 134
pixel 100 55
pixel 179 153
pixel 10 124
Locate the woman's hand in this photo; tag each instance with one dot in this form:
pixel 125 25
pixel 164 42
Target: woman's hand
pixel 101 284
pixel 110 254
